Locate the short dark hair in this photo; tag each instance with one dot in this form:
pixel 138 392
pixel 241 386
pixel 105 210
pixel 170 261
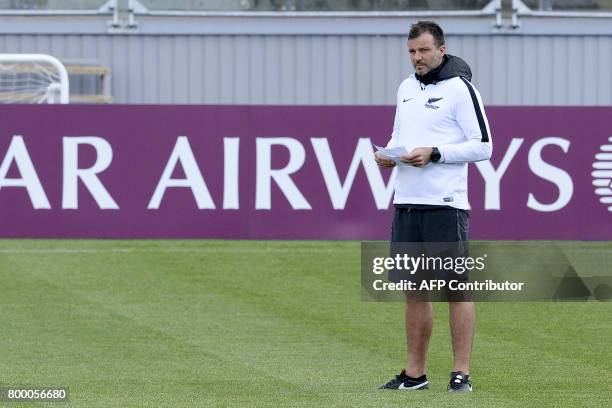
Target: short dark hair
pixel 430 27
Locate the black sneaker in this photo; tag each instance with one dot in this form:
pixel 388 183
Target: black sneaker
pixel 403 382
pixel 459 382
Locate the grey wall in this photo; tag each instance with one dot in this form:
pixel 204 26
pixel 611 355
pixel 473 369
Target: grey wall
pixel 331 68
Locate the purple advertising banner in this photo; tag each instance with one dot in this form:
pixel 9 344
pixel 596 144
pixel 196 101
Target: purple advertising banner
pixel 283 172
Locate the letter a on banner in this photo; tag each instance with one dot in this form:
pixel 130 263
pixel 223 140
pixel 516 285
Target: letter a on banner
pixel 193 177
pixel 18 152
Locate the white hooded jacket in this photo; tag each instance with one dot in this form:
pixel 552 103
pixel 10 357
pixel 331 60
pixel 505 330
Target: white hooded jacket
pixel 440 109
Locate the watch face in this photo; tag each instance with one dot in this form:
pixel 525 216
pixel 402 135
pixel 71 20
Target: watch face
pixel 435 155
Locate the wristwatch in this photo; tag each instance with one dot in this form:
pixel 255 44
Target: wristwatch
pixel 435 155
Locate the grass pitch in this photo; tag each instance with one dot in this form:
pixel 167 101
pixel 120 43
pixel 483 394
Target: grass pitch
pixel 266 324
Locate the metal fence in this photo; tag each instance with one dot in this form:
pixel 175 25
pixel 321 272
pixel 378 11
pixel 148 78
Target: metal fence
pixel 519 56
pixel 294 5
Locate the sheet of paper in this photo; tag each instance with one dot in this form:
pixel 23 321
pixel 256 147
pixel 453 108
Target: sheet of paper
pixel 393 153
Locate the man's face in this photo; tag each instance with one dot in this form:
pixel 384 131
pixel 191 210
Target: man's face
pixel 424 54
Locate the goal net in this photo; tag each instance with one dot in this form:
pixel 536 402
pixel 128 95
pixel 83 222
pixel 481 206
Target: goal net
pixel 32 78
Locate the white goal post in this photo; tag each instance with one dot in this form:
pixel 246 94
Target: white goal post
pixel 33 78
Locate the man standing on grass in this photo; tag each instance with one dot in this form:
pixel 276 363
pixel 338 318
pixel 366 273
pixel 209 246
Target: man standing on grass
pixel 441 121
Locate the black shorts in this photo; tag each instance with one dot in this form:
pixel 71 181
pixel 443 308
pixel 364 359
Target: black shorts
pixel 438 235
pixel 429 224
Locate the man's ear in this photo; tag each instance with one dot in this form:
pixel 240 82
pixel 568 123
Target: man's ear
pixel 442 49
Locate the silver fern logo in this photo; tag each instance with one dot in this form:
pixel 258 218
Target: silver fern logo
pixel 602 174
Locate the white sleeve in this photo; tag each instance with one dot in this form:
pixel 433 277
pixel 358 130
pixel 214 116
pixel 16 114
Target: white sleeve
pixel 472 120
pixel 396 127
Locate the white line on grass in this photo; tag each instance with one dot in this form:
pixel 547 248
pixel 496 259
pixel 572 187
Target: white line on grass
pixel 170 250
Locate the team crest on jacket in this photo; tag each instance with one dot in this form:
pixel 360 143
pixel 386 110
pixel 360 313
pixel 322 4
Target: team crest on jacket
pixel 431 101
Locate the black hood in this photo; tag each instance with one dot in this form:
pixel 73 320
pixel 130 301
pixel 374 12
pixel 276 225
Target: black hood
pixel 450 67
